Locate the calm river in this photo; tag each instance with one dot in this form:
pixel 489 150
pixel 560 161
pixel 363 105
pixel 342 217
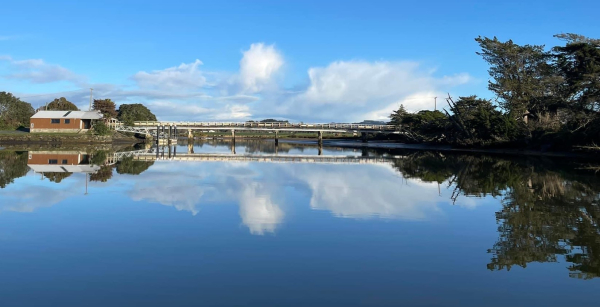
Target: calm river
pixel 86 227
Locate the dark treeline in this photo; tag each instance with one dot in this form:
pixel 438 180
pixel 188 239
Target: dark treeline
pixel 548 209
pixel 545 99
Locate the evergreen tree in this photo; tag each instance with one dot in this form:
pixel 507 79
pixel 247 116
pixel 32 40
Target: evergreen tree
pixel 61 104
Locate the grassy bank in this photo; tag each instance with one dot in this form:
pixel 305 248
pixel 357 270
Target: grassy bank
pixel 17 137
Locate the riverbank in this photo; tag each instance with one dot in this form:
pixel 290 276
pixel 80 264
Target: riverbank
pixel 444 148
pixel 11 138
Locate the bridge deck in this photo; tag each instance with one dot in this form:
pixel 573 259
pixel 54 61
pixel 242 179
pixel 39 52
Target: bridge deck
pixel 334 127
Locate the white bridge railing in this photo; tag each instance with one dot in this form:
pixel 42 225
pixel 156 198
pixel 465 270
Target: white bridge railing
pixel 268 125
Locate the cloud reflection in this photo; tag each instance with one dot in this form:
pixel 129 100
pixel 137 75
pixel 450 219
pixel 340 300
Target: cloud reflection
pixel 262 190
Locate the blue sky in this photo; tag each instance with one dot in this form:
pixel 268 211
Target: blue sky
pixel 302 60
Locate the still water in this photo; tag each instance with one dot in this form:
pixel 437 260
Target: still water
pixel 79 227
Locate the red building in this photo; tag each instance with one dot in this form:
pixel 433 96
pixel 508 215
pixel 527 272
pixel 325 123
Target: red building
pixel 63 121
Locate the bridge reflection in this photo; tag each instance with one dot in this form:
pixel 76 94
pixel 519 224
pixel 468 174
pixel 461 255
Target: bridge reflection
pixel 170 153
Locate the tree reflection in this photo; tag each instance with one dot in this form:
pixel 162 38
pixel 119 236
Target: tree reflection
pixel 129 166
pixel 12 165
pixel 56 176
pixel 545 214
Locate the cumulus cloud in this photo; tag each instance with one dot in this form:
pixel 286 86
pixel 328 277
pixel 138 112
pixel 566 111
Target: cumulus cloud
pixel 258 66
pixel 233 112
pixel 38 71
pixel 342 91
pixel 182 77
pixel 351 90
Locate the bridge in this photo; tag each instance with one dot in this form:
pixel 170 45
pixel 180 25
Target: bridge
pixel 166 129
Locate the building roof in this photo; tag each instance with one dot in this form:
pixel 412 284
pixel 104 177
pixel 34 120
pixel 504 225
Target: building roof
pixel 68 114
pixel 55 168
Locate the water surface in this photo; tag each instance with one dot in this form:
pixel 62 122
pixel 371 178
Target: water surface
pixel 405 229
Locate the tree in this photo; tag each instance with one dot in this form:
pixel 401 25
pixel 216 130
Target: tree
pixel 397 116
pixel 61 104
pixel 578 64
pixel 522 79
pixel 425 125
pixel 106 106
pixel 477 120
pixel 130 113
pixel 14 113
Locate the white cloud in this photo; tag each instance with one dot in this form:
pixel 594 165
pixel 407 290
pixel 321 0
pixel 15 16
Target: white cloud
pixel 343 91
pixel 233 112
pixel 258 66
pixel 352 90
pixel 182 77
pixel 38 71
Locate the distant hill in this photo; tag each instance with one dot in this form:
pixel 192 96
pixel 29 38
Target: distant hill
pixel 268 120
pixel 372 122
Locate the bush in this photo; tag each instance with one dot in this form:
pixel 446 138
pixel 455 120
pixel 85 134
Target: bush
pixel 101 128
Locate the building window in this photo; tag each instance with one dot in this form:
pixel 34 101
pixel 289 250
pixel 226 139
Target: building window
pixel 67 121
pixel 52 161
pixel 55 121
pixel 64 162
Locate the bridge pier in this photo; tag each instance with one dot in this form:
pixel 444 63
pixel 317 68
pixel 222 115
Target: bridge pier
pixel 157 136
pixel 320 150
pixel 364 136
pixel 190 134
pixel 190 147
pixel 276 138
pixel 320 138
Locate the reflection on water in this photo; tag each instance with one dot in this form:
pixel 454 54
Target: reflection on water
pixel 545 210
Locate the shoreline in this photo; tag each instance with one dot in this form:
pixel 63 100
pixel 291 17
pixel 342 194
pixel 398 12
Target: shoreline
pixel 66 139
pixel 444 148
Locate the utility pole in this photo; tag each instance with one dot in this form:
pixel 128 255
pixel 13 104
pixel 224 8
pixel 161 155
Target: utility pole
pixel 91 89
pixel 435 104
